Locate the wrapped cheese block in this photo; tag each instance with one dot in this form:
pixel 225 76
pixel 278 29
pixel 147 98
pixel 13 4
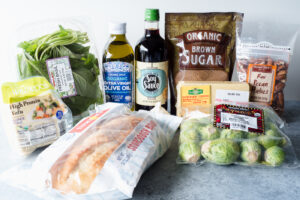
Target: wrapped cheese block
pixel 200 95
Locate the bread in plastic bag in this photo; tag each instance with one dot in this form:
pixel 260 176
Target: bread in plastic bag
pixel 102 157
pixel 250 135
pixel 34 114
pixel 64 52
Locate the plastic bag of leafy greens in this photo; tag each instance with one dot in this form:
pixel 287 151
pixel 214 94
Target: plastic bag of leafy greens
pixel 63 51
pixel 250 135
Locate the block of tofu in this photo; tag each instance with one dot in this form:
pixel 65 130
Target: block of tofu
pixel 201 95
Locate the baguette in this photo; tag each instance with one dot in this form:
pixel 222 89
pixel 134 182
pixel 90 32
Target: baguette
pixel 76 169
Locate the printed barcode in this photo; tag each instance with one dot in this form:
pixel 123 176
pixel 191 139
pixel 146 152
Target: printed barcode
pixel 237 126
pixel 69 77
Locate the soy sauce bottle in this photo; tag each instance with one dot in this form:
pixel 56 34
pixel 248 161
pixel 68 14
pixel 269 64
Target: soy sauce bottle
pixel 151 65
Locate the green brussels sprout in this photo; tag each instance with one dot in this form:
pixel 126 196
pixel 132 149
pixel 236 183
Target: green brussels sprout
pixel 250 151
pixel 189 152
pixel 273 127
pixel 189 124
pixel 220 151
pixel 208 132
pixel 283 142
pixel 274 156
pixel 189 135
pixel 271 138
pixel 252 135
pixel 232 134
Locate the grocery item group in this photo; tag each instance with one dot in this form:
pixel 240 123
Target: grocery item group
pixel 108 122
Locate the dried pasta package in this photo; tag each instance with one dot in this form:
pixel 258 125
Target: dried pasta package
pixel 33 113
pixel 249 135
pixel 102 157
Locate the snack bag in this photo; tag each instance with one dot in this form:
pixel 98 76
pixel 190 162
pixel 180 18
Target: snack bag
pixel 33 113
pixel 263 60
pixel 62 51
pixel 103 156
pixel 249 135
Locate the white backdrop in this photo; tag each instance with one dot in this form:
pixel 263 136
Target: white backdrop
pixel 15 13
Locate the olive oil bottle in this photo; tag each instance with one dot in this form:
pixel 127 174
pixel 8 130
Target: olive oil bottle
pixel 118 69
pixel 151 65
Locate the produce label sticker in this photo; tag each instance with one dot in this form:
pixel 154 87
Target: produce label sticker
pixel 232 96
pixel 239 118
pixel 262 79
pixel 195 95
pixel 61 76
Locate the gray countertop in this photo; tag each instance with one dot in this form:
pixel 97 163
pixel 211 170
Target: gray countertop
pixel 167 180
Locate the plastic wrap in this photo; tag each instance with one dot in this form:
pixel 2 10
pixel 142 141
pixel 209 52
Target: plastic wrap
pixel 250 135
pixel 102 157
pixel 34 114
pixel 63 51
pixel 263 60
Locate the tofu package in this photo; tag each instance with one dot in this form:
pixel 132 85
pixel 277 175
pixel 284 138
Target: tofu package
pixel 200 95
pixel 33 113
pixel 103 156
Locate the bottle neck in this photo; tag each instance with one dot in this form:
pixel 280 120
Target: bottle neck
pixel 151 28
pixel 118 37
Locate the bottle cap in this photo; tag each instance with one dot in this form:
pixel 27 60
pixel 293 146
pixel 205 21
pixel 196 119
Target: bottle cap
pixel 151 14
pixel 118 28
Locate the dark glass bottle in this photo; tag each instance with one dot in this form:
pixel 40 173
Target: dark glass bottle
pixel 151 65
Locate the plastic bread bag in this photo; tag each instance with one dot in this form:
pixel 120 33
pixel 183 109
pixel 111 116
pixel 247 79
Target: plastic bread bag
pixel 250 135
pixel 263 60
pixel 33 114
pixel 102 157
pixel 63 51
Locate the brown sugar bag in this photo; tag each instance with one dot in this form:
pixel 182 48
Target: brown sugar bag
pixel 201 46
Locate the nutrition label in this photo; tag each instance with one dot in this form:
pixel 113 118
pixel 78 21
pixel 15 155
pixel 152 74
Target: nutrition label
pixel 41 133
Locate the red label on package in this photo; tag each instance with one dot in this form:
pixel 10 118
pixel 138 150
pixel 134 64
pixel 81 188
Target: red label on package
pixel 81 126
pixel 239 118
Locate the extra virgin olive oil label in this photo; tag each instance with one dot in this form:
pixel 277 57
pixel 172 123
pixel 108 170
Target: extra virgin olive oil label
pixel 118 82
pixel 61 76
pixel 151 83
pixel 239 118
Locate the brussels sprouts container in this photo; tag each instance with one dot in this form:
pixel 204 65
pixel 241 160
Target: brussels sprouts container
pixel 230 136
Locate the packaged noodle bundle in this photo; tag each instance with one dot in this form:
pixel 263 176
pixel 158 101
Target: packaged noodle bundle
pixel 33 113
pixel 64 53
pixel 102 157
pixel 249 135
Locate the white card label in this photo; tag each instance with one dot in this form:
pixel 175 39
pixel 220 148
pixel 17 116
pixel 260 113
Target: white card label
pixel 231 96
pixel 239 122
pixel 61 77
